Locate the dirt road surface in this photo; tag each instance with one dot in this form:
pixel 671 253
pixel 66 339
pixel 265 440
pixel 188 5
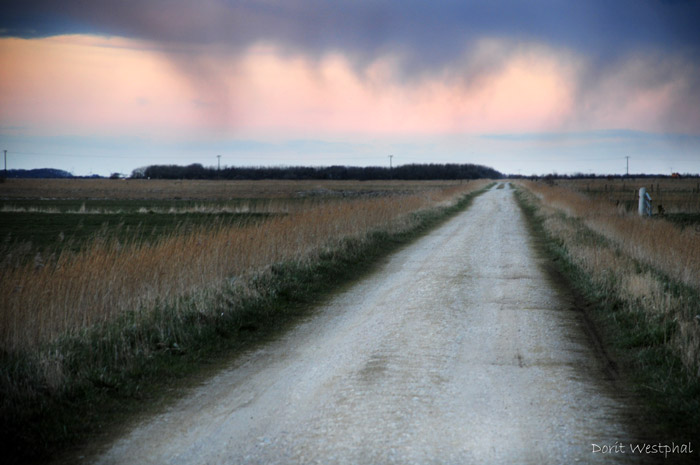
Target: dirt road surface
pixel 456 350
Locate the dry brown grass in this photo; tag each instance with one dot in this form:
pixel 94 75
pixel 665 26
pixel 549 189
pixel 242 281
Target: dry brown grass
pixel 660 244
pixel 675 195
pixel 613 263
pixel 50 297
pixel 209 190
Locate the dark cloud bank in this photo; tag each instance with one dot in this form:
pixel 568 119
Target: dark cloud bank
pixel 428 36
pixel 427 33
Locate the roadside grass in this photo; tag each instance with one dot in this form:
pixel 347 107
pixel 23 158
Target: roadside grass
pixel 49 295
pixel 660 244
pixel 647 317
pixel 64 391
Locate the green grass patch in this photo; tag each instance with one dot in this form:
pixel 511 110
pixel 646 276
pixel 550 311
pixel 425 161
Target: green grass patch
pixel 683 220
pixel 134 205
pixel 112 371
pixel 54 232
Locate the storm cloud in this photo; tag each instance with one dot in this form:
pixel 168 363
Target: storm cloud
pixel 353 68
pixel 427 34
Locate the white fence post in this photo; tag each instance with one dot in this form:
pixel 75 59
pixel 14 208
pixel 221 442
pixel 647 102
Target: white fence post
pixel 644 202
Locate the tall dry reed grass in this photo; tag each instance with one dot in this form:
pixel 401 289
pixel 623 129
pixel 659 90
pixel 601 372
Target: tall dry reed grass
pixel 674 195
pixel 658 243
pixel 612 260
pixel 47 298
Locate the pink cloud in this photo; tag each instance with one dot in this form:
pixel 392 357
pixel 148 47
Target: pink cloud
pixel 285 93
pixel 84 84
pixel 90 84
pixel 645 93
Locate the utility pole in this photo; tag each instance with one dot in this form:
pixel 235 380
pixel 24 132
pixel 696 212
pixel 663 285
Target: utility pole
pixel 218 170
pixel 5 162
pixel 391 168
pixel 628 165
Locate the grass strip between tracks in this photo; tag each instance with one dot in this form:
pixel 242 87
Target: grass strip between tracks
pixel 639 340
pixel 139 362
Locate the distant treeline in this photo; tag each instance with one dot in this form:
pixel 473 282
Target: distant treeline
pixel 37 173
pixel 403 172
pixel 605 176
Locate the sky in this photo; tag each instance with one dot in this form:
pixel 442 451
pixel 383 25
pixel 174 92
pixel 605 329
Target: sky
pixel 525 87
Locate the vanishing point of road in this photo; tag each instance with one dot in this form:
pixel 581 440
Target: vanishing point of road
pixel 458 349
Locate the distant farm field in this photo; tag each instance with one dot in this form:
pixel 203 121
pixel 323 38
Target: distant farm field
pixel 79 252
pixel 168 190
pixel 49 215
pixel 673 199
pixel 53 232
pixel 107 287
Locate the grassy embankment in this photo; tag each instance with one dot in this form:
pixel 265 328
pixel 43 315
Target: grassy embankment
pixel 642 279
pixel 90 335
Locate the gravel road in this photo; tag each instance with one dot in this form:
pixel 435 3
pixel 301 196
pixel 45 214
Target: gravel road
pixel 456 350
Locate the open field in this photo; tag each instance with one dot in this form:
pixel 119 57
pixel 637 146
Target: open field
pixel 131 254
pixel 679 199
pixel 86 330
pixel 661 244
pixel 50 214
pixel 642 278
pixel 157 189
pixel 26 233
